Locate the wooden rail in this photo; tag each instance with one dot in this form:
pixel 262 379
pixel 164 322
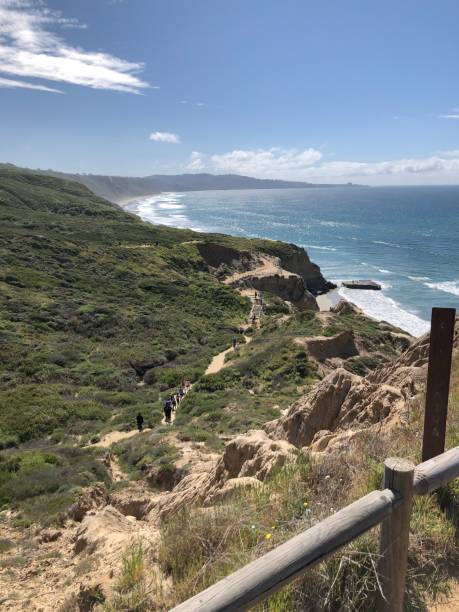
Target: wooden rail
pixel 391 507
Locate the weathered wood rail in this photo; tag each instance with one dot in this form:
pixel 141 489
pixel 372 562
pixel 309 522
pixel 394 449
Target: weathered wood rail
pixel 391 507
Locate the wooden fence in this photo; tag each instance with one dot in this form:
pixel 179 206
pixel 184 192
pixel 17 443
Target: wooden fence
pixel 391 507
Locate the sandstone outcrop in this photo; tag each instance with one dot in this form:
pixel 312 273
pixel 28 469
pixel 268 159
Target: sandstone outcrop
pixel 215 255
pixel 328 347
pixel 108 532
pixel 298 262
pixel 247 460
pixel 343 404
pixel 289 287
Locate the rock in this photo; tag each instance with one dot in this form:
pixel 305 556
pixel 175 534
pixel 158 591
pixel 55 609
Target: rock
pixel 289 287
pixel 163 477
pixel 314 412
pixel 298 262
pixel 50 535
pixel 95 529
pixel 217 254
pixel 252 454
pixel 342 406
pixel 343 307
pixel 324 347
pixel 108 531
pixel 247 458
pixel 91 498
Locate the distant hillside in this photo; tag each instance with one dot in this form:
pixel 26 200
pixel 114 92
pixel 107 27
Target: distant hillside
pixel 121 188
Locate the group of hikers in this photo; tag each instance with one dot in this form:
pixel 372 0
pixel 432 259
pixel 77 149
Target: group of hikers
pixel 173 401
pixel 171 404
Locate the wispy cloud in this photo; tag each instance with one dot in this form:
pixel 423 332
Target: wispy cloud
pixel 14 84
pixel 451 116
pixel 196 162
pixel 165 137
pixel 28 48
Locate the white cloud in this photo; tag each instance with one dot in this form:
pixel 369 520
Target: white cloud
pixel 14 84
pixel 196 162
pixel 165 137
pixel 267 163
pixel 451 116
pixel 309 165
pixel 29 49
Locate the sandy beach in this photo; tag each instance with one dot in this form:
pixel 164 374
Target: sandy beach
pixel 327 300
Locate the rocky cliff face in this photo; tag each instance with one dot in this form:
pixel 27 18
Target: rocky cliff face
pixel 299 263
pixel 343 405
pixel 289 287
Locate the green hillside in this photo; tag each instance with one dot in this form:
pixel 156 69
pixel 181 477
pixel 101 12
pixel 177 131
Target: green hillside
pixel 102 315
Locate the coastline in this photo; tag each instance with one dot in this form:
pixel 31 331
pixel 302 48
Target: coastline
pixel 169 209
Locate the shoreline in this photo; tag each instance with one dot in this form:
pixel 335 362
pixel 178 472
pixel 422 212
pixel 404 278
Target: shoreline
pixel 167 208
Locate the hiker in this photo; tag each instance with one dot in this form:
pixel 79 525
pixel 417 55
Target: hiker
pixel 254 320
pixel 168 410
pixel 139 419
pixel 181 393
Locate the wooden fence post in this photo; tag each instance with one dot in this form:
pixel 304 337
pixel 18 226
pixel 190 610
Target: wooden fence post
pixel 395 531
pixel 438 375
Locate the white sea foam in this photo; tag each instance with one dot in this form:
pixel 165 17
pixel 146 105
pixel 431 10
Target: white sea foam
pixel 320 248
pixel 163 209
pixel 419 278
pixel 392 244
pixel 383 271
pixel 170 206
pixel 383 308
pixel 447 286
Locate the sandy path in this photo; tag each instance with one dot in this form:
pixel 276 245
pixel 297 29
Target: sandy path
pixel 116 436
pixel 268 267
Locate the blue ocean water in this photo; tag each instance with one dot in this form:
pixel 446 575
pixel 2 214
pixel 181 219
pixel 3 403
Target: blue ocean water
pixel 406 238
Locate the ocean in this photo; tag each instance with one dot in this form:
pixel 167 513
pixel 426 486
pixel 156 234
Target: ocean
pixel 405 238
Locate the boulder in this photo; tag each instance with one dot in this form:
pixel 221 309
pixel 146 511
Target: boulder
pixel 252 454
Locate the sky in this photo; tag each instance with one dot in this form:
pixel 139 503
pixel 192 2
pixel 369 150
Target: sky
pixel 330 91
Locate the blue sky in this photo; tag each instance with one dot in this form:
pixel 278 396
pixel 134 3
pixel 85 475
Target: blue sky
pixel 324 91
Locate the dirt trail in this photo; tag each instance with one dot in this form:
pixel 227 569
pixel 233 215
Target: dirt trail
pixel 268 267
pixel 116 436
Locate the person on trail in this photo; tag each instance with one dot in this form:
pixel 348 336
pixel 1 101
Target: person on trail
pixel 181 393
pixel 139 419
pixel 256 295
pixel 168 410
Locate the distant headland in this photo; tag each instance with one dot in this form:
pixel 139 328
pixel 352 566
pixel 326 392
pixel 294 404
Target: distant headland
pixel 123 188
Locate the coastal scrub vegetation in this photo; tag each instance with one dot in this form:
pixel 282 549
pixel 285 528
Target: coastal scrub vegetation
pixel 302 494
